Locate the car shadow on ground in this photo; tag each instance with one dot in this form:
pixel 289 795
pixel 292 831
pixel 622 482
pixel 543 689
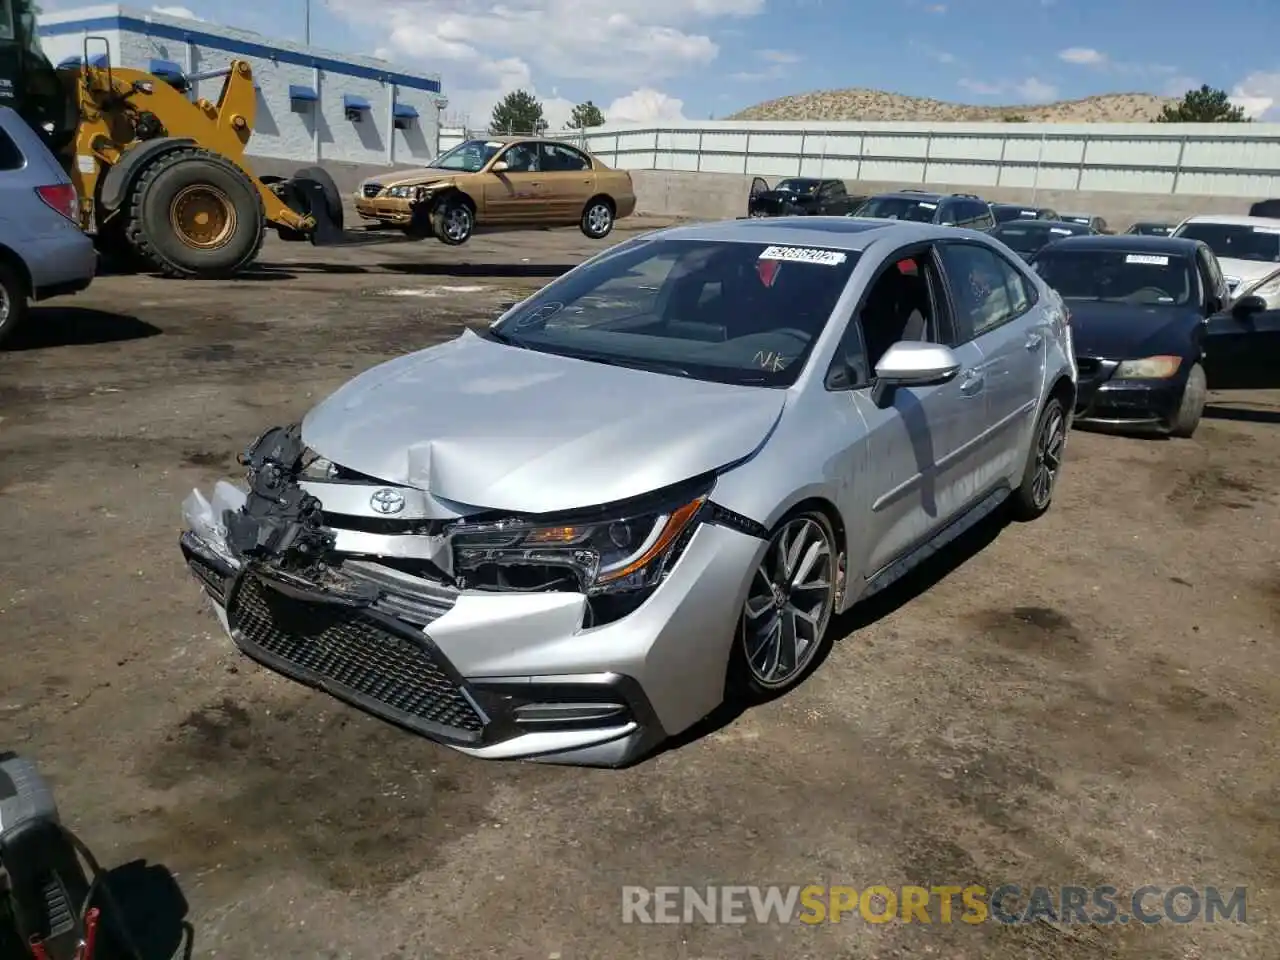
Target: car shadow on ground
pixel 479 269
pixel 1242 414
pixel 876 607
pixel 59 326
pixel 144 914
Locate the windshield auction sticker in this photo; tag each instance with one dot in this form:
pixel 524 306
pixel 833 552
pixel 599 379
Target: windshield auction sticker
pixel 829 258
pixel 1149 260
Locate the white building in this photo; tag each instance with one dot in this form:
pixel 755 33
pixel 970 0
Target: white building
pixel 313 105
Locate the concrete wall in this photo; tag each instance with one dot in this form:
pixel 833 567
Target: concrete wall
pixel 716 196
pixel 296 131
pixel 1224 160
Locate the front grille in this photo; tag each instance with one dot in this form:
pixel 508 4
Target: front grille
pixel 371 190
pixel 356 655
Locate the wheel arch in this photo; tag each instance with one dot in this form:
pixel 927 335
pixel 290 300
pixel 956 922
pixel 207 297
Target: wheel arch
pixel 121 177
pixel 10 258
pixel 613 204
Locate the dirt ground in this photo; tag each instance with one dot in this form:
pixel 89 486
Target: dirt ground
pixel 1092 698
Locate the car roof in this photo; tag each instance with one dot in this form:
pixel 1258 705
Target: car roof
pixel 1131 243
pixel 853 234
pixel 1046 224
pixel 1234 220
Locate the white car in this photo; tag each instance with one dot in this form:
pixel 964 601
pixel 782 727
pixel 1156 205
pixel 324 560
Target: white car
pixel 1247 248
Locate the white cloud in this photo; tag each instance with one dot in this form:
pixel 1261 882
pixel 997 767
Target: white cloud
pixel 936 8
pixel 1083 56
pixel 1035 90
pixel 980 88
pixel 184 12
pixel 1259 95
pixel 645 105
pixel 484 49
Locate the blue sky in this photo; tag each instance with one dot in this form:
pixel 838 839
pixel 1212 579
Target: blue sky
pixel 644 60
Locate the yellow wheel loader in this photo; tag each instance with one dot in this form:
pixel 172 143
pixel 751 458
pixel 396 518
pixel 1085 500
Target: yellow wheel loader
pixel 162 178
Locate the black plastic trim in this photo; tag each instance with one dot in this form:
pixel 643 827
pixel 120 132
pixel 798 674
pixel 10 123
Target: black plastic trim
pixel 725 517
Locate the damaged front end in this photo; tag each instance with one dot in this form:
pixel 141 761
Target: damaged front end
pixel 367 592
pixel 348 625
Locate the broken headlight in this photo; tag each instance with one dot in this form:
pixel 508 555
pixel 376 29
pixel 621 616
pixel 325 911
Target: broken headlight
pixel 628 549
pixel 312 466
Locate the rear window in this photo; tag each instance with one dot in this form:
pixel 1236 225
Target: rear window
pixel 1118 276
pixel 899 208
pixel 746 313
pixel 1029 235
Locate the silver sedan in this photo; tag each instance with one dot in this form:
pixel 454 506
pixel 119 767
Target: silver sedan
pixel 645 489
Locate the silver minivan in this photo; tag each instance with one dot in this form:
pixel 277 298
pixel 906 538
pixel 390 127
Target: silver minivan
pixel 43 251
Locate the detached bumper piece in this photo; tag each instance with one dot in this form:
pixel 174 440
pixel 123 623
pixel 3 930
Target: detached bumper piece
pixel 357 654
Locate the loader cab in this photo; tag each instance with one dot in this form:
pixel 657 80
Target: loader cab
pixel 29 83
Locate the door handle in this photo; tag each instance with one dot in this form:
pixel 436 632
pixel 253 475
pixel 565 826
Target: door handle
pixel 1034 340
pixel 972 383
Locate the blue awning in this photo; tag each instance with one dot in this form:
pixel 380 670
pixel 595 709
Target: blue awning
pixel 97 60
pixel 405 112
pixel 165 69
pixel 298 92
pixel 352 102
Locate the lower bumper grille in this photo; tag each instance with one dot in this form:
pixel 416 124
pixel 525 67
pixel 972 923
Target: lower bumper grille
pixel 357 655
pixel 371 190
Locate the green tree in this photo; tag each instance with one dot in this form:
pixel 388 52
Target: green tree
pixel 586 115
pixel 1205 105
pixel 1014 118
pixel 518 112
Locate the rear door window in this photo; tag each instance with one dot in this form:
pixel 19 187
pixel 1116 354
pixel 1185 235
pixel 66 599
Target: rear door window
pixel 11 157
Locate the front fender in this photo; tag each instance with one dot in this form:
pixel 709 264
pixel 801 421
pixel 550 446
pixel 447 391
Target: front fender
pixel 120 178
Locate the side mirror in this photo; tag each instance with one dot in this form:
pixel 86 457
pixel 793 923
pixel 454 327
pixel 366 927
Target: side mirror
pixel 500 167
pixel 1246 307
pixel 915 363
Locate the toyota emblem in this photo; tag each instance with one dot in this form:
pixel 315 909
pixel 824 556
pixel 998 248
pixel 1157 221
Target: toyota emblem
pixel 386 501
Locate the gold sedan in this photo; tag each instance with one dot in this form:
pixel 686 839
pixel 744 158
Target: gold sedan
pixel 507 183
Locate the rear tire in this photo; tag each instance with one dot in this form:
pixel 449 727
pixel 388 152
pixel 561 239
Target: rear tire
pixel 14 305
pixel 329 189
pixel 1191 406
pixel 1034 495
pixel 195 214
pixel 597 218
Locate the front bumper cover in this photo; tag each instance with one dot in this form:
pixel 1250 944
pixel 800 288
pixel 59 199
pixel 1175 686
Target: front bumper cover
pixel 502 676
pixel 1104 401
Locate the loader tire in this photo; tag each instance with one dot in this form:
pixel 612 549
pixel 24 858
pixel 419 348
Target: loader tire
pixel 195 214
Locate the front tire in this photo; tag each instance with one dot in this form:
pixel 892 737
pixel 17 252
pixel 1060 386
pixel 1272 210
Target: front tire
pixel 1044 462
pixel 1191 406
pixel 195 214
pixel 597 218
pixel 782 630
pixel 453 221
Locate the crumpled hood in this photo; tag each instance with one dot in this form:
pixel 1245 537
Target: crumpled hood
pixel 1117 331
pixel 492 426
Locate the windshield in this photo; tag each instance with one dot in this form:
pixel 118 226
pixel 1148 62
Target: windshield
pixel 1152 229
pixel 1230 241
pixel 743 313
pixel 899 208
pixel 797 186
pixel 469 156
pixel 1027 236
pixel 1118 276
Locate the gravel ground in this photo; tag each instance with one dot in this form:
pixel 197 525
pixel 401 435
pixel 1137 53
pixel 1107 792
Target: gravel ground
pixel 1091 698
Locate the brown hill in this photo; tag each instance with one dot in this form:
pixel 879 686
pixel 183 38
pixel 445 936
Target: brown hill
pixel 863 104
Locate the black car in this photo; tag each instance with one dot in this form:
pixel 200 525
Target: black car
pixel 1027 237
pixel 1147 228
pixel 1097 224
pixel 1265 208
pixel 945 209
pixel 800 196
pixel 1004 212
pixel 1140 309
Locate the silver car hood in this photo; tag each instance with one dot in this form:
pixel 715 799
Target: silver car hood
pixel 491 426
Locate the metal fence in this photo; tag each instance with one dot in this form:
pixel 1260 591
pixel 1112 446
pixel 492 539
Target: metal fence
pixel 1237 160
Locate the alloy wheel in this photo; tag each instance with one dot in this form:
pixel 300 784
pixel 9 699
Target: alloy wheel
pixel 1049 447
pixel 6 306
pixel 789 603
pixel 457 223
pixel 599 218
